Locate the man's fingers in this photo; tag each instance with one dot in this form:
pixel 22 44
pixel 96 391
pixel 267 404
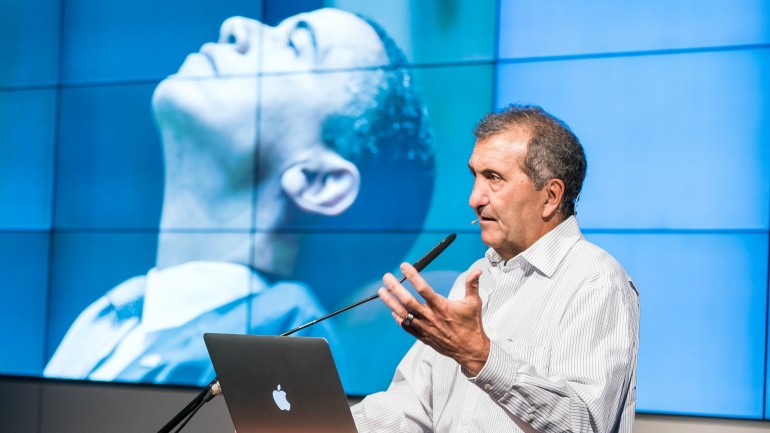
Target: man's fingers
pixel 392 303
pixel 422 287
pixel 399 291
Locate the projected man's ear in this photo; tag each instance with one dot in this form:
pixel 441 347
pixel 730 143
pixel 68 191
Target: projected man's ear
pixel 324 184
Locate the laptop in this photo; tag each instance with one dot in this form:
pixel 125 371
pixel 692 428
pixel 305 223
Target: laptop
pixel 280 384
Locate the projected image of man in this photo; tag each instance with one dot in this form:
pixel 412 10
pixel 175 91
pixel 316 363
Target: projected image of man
pixel 314 120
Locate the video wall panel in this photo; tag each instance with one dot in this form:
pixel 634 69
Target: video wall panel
pixel 564 28
pixel 27 131
pixel 335 290
pixel 30 43
pixel 142 40
pixel 109 175
pixel 24 273
pixel 432 32
pixel 452 125
pixel 703 299
pixel 84 267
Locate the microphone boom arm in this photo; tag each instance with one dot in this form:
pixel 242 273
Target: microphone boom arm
pixel 419 265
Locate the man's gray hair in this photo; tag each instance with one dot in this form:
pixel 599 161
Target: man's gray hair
pixel 553 151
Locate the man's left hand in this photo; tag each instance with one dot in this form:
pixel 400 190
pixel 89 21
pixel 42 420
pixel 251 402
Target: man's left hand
pixel 452 328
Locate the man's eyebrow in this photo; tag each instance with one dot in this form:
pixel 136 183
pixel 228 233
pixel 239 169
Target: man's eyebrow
pixel 490 173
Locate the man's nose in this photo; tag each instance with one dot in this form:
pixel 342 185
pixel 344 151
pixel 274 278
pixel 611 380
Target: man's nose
pixel 241 32
pixel 478 196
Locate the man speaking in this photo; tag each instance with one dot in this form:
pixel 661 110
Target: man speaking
pixel 542 333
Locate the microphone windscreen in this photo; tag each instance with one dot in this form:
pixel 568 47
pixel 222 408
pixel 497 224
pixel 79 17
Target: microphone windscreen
pixel 434 252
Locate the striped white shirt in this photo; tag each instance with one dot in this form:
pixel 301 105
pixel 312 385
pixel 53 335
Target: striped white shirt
pixel 563 317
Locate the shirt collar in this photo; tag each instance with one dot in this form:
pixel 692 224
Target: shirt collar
pixel 178 294
pixel 547 253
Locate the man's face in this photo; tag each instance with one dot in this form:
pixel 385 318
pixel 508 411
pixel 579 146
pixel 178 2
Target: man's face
pixel 509 208
pixel 217 89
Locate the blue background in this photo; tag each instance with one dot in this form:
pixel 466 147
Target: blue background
pixel 668 98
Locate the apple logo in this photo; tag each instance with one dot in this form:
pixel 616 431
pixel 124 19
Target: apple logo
pixel 280 399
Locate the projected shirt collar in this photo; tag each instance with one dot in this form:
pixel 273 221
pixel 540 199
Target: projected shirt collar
pixel 181 293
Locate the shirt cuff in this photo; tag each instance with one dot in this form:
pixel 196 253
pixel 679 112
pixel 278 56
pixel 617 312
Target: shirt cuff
pixel 498 374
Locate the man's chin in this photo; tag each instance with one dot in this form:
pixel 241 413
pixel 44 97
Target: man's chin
pixel 179 98
pixel 492 237
pixel 187 80
pixel 167 100
pixel 488 239
pixel 196 65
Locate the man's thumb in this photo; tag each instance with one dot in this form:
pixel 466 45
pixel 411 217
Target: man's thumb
pixel 472 284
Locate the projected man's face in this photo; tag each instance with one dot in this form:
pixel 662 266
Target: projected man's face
pixel 216 90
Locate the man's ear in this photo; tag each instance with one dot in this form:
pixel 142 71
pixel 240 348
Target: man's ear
pixel 325 183
pixel 554 189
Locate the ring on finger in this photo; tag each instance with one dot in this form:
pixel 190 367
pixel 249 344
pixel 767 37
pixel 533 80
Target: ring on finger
pixel 408 320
